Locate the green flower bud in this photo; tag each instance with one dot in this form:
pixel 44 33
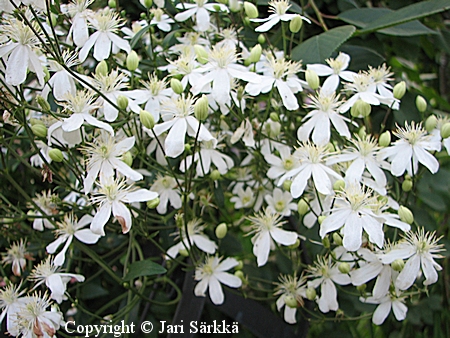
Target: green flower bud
pixel 312 78
pixel 46 74
pixel 291 301
pixel 296 24
pixel 406 215
pixel 261 39
pixel 183 252
pixel 320 219
pixel 399 90
pixel 123 13
pixel 112 4
pixel 201 108
pixel 43 103
pixel 39 130
pixel 132 61
pixel 122 102
pixel 274 117
pixel 240 265
pixel 421 104
pixel 146 3
pixel 407 185
pixel 187 147
pixel 337 239
pixel 302 207
pixel 287 185
pixel 431 123
pixel 152 204
pixel 361 288
pixel 385 139
pixel 56 155
pixel 234 6
pixel 102 68
pixel 201 53
pixel 362 132
pixel 445 130
pixel 246 21
pixel 311 293
pixel 295 245
pixel 239 274
pixel 344 267
pixel 215 175
pixel 176 85
pixel 34 121
pixel 127 158
pixel 221 230
pixel 360 109
pixel 250 10
pixel 147 119
pixel 325 240
pixel 255 54
pixel 398 264
pixel 339 185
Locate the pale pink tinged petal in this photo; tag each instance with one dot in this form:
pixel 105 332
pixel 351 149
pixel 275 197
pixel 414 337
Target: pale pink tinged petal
pixel 329 296
pixel 401 253
pixel 374 229
pixel 340 125
pixel 401 160
pixel 299 183
pixel 407 277
pixel 399 310
pixel 88 46
pixel 61 257
pixel 215 291
pixel 321 70
pixel 431 275
pixel 383 282
pixel 123 215
pixel 352 232
pixel 227 264
pixel 185 15
pixel 119 42
pixel 99 124
pixel 321 180
pixel 102 47
pixel 321 133
pixel 261 248
pixel 53 246
pixel 141 195
pixel 426 159
pixel 55 284
pixel 330 85
pixel 174 144
pixel 283 237
pixel 289 315
pixel 268 25
pixel 289 99
pixel 16 68
pixel 228 279
pixel 204 243
pixel 73 123
pixel 100 219
pixel 366 273
pixel 202 20
pixel 87 236
pixel 381 313
pixel 201 287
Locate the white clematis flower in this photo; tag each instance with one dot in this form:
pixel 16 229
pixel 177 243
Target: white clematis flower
pixel 390 301
pixel 199 10
pixel 290 287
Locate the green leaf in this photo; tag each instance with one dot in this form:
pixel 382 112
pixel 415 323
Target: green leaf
pixel 138 36
pixel 144 268
pixel 406 14
pixel 362 17
pixel 361 57
pixel 320 47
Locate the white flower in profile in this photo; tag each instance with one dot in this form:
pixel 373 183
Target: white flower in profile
pixel 176 114
pixel 161 20
pixel 186 67
pixel 244 199
pixel 62 82
pixel 199 10
pixel 105 156
pixel 36 319
pixel 41 158
pixel 317 121
pixel 194 235
pixel 111 197
pixel 420 249
pixel 335 70
pixel 412 148
pixel 393 300
pixel 280 202
pixel 244 132
pixel 281 74
pixel 267 231
pixel 16 255
pixel 11 303
pixel 278 9
pixel 167 189
pixel 19 53
pixel 326 274
pixel 106 23
pixel 312 161
pixel 292 288
pixel 49 273
pixel 46 207
pixel 69 228
pixel 211 274
pixel 380 77
pixel 78 10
